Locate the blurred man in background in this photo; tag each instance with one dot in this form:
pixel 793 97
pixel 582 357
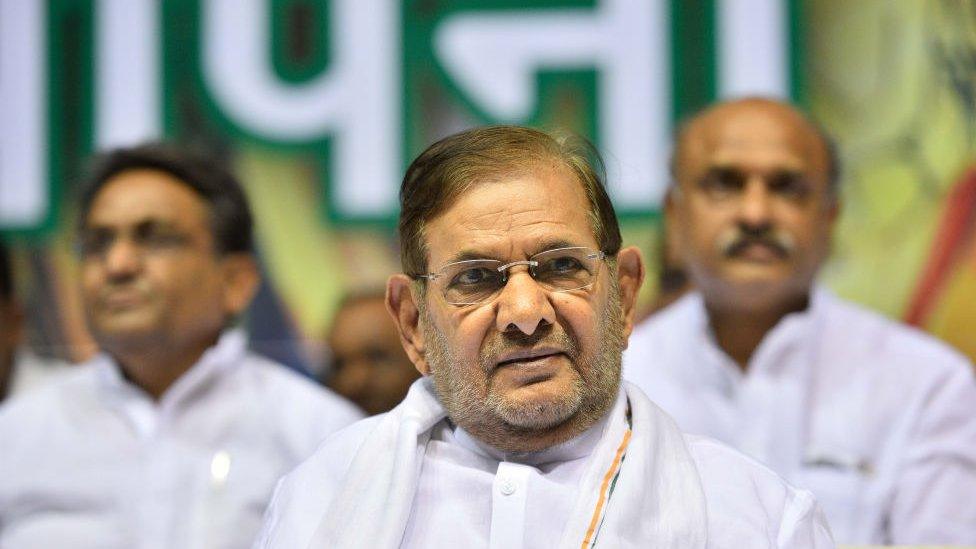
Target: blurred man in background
pixel 11 324
pixel 176 435
pixel 877 419
pixel 368 365
pixel 20 369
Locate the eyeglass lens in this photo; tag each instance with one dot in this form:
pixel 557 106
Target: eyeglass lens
pixel 476 281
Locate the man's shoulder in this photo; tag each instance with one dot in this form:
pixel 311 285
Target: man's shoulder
pixel 32 418
pixel 287 389
pixel 745 498
pixel 679 316
pixel 664 335
pixel 889 346
pixel 334 455
pixel 303 496
pixel 58 389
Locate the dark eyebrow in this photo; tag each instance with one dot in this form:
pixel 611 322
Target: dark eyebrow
pixel 723 171
pixel 144 222
pixel 788 172
pixel 153 223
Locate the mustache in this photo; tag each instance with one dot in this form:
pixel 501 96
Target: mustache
pixel 110 287
pixel 515 340
pixel 734 241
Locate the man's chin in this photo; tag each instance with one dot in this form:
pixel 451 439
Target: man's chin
pixel 539 406
pixel 126 332
pixel 757 289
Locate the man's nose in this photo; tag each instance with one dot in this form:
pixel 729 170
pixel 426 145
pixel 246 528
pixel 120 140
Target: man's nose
pixel 123 259
pixel 523 305
pixel 755 208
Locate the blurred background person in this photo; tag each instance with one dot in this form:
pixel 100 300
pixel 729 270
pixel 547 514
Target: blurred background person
pixel 877 419
pixel 175 435
pixel 20 369
pixel 367 363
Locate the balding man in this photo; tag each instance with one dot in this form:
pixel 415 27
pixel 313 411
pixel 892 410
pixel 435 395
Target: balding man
pixel 877 419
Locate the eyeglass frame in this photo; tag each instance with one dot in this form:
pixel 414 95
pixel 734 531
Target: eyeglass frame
pixel 598 255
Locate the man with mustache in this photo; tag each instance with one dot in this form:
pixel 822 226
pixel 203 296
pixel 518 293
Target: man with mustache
pixel 515 304
pixel 876 419
pixel 176 434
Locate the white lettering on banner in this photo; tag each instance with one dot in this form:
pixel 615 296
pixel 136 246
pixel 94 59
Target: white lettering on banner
pixel 127 72
pixel 494 57
pixel 24 193
pixel 355 101
pixel 753 54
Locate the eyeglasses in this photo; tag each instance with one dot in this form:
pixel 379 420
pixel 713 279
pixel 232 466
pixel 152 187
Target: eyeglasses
pixel 476 281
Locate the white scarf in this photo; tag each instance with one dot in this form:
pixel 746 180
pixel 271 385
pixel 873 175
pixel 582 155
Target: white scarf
pixel 641 487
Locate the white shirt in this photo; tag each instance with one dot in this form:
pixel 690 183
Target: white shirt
pixel 31 371
pixel 91 461
pixel 474 496
pixel 878 420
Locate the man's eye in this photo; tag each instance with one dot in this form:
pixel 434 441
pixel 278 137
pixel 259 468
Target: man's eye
pixel 722 182
pixel 790 185
pixel 162 240
pixel 561 265
pixel 94 244
pixel 475 276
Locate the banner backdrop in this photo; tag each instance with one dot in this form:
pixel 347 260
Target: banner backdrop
pixel 320 105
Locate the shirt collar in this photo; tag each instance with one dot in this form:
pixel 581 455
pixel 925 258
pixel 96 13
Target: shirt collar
pixel 215 361
pixel 794 333
pixel 578 447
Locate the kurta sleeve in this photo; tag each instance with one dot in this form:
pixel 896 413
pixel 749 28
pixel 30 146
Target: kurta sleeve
pixel 933 499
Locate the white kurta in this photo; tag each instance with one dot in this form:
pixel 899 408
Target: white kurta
pixel 89 460
pixel 31 371
pixel 474 496
pixel 876 419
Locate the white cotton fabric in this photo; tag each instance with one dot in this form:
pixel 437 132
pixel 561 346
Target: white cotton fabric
pixel 31 371
pixel 373 484
pixel 90 461
pixel 878 420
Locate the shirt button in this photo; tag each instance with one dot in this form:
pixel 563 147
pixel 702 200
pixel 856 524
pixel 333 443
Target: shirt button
pixel 508 487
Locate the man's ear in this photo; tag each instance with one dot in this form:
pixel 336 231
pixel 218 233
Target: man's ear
pixel 630 277
pixel 241 280
pixel 401 304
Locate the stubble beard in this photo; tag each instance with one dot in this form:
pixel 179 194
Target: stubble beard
pixel 467 394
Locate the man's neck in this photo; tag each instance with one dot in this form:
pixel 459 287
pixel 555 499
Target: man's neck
pixel 155 367
pixel 739 330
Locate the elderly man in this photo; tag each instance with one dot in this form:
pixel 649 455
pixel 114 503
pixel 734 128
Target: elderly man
pixel 176 435
pixel 876 419
pixel 515 306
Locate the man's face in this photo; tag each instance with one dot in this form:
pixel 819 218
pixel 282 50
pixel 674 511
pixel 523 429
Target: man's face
pixel 528 359
pixel 369 366
pixel 149 267
pixel 752 210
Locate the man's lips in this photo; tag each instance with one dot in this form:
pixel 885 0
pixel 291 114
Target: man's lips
pixel 122 299
pixel 527 357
